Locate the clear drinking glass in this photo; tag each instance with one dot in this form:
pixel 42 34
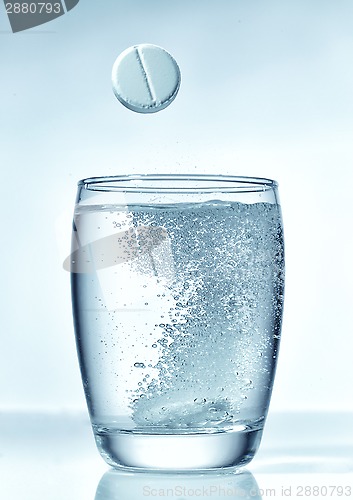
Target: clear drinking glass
pixel 177 290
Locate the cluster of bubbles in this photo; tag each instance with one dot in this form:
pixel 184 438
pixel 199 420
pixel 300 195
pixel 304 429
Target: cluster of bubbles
pixel 218 344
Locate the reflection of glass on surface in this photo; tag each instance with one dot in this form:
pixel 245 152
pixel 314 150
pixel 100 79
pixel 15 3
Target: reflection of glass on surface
pixel 118 485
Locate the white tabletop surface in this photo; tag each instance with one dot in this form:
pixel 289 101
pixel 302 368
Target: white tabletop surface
pixel 54 457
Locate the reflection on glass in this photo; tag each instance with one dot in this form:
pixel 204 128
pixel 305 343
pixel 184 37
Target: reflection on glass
pixel 118 485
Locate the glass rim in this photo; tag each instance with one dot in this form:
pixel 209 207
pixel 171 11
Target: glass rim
pixel 148 183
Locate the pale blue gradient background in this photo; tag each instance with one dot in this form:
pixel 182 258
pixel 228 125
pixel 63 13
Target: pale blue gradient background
pixel 267 90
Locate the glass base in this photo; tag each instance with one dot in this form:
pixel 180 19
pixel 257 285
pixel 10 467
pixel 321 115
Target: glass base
pixel 178 452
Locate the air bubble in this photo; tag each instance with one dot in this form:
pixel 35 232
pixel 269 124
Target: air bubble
pixel 216 343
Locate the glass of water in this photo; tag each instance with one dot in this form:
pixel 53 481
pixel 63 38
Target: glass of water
pixel 177 291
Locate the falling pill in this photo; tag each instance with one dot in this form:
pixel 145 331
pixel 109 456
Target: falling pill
pixel 146 78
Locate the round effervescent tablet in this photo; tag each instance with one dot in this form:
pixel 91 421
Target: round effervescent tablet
pixel 146 78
